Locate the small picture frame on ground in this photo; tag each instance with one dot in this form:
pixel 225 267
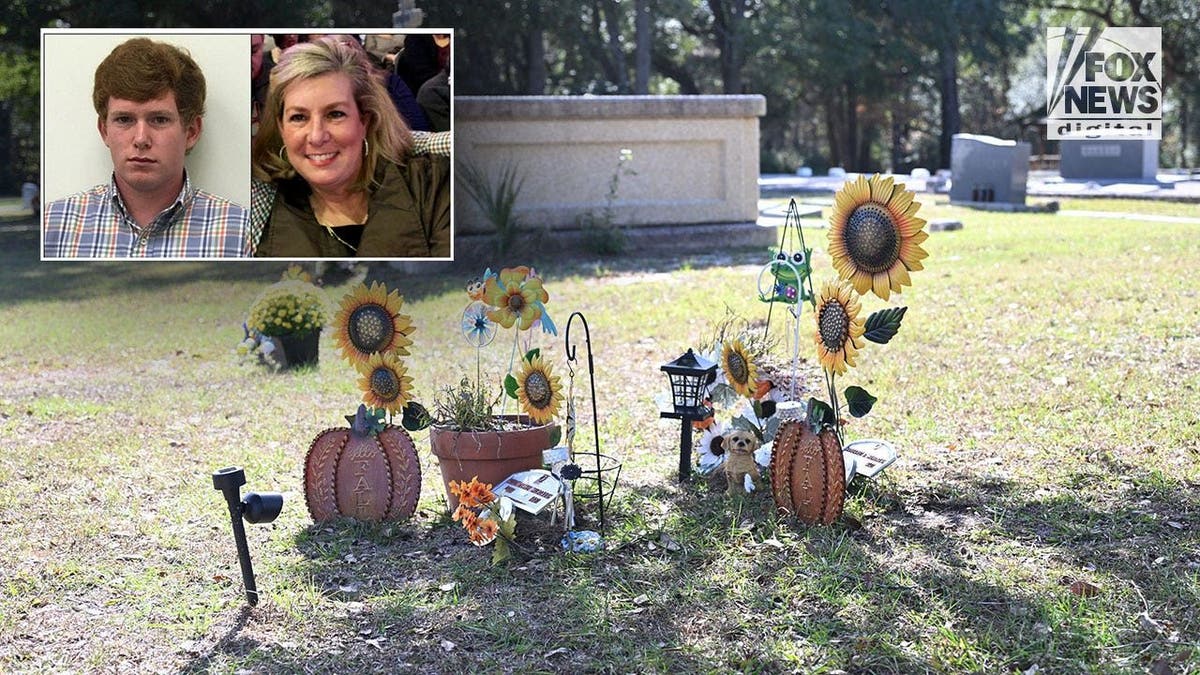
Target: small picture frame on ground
pixel 869 457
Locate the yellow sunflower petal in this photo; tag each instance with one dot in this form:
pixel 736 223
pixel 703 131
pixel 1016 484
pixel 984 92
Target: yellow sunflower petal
pixel 881 189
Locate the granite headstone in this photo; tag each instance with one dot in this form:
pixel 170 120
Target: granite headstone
pixel 1133 159
pixel 988 169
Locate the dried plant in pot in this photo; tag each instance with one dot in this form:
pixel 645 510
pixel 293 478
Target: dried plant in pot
pixel 470 441
pixel 467 435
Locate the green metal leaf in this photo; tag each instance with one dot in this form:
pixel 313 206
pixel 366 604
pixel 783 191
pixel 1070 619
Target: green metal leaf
pixel 415 417
pixel 724 395
pixel 555 435
pixel 859 400
pixel 819 415
pixel 882 325
pixel 510 386
pixel 532 354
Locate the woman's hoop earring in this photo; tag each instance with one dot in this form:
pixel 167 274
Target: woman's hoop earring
pixel 282 154
pixel 366 147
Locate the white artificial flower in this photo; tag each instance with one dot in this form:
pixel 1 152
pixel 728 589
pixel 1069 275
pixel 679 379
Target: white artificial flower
pixel 709 460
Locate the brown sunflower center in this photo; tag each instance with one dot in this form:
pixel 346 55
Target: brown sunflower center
pixel 385 384
pixel 872 239
pixel 834 325
pixel 371 328
pixel 516 302
pixel 736 366
pixel 537 389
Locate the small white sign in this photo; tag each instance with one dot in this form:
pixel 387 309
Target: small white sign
pixel 531 491
pixel 869 457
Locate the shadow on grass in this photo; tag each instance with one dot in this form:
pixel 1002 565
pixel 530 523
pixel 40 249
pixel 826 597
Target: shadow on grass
pixel 25 278
pixel 935 580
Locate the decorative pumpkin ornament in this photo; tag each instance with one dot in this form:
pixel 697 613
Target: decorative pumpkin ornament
pixel 369 471
pixel 808 474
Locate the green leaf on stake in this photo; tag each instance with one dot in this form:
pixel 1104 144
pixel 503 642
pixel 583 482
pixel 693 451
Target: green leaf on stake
pixel 819 415
pixel 532 354
pixel 555 435
pixel 510 386
pixel 859 400
pixel 882 325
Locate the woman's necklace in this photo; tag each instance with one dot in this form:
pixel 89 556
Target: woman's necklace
pixel 343 241
pixel 323 213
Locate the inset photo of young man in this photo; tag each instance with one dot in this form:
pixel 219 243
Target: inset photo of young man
pixel 146 145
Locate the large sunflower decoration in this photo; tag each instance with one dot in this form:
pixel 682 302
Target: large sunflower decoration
pixel 874 235
pixel 373 335
pixel 369 321
pixel 875 242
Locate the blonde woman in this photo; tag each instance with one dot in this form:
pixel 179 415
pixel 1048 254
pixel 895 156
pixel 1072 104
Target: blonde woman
pixel 334 172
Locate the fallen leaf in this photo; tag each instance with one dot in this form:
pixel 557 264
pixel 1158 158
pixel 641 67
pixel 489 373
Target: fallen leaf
pixel 1175 524
pixel 1059 381
pixel 556 652
pixel 641 599
pixel 446 588
pixel 1084 589
pixel 448 646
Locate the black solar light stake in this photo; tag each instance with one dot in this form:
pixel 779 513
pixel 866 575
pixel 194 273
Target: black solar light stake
pixel 255 508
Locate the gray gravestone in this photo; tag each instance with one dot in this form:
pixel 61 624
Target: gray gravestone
pixel 988 169
pixel 1132 159
pixel 407 15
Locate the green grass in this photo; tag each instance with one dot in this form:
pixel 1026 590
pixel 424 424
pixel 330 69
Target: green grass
pixel 1042 393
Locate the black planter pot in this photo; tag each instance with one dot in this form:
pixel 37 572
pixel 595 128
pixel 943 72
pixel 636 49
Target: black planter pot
pixel 300 349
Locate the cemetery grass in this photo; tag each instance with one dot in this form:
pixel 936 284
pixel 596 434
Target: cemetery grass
pixel 1042 393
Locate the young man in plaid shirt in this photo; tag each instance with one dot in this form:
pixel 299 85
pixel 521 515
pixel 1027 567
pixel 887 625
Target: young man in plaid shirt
pixel 150 100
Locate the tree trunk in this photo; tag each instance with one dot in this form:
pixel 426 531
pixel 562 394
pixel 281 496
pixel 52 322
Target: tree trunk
pixel 727 29
pixel 643 36
pixel 852 153
pixel 535 52
pixel 832 133
pixel 951 118
pixel 612 22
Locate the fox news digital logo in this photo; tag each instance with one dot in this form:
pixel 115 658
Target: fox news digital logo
pixel 1104 83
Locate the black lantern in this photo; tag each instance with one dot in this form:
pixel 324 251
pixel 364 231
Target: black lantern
pixel 689 375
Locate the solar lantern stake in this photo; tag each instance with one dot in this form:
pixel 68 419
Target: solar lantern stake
pixel 689 375
pixel 257 507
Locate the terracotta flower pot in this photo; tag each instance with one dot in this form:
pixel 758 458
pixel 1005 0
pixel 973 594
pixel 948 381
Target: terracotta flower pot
pixel 490 455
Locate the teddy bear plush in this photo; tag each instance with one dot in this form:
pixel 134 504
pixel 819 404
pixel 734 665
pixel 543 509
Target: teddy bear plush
pixel 740 469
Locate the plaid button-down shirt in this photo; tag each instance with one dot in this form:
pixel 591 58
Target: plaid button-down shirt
pixel 95 224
